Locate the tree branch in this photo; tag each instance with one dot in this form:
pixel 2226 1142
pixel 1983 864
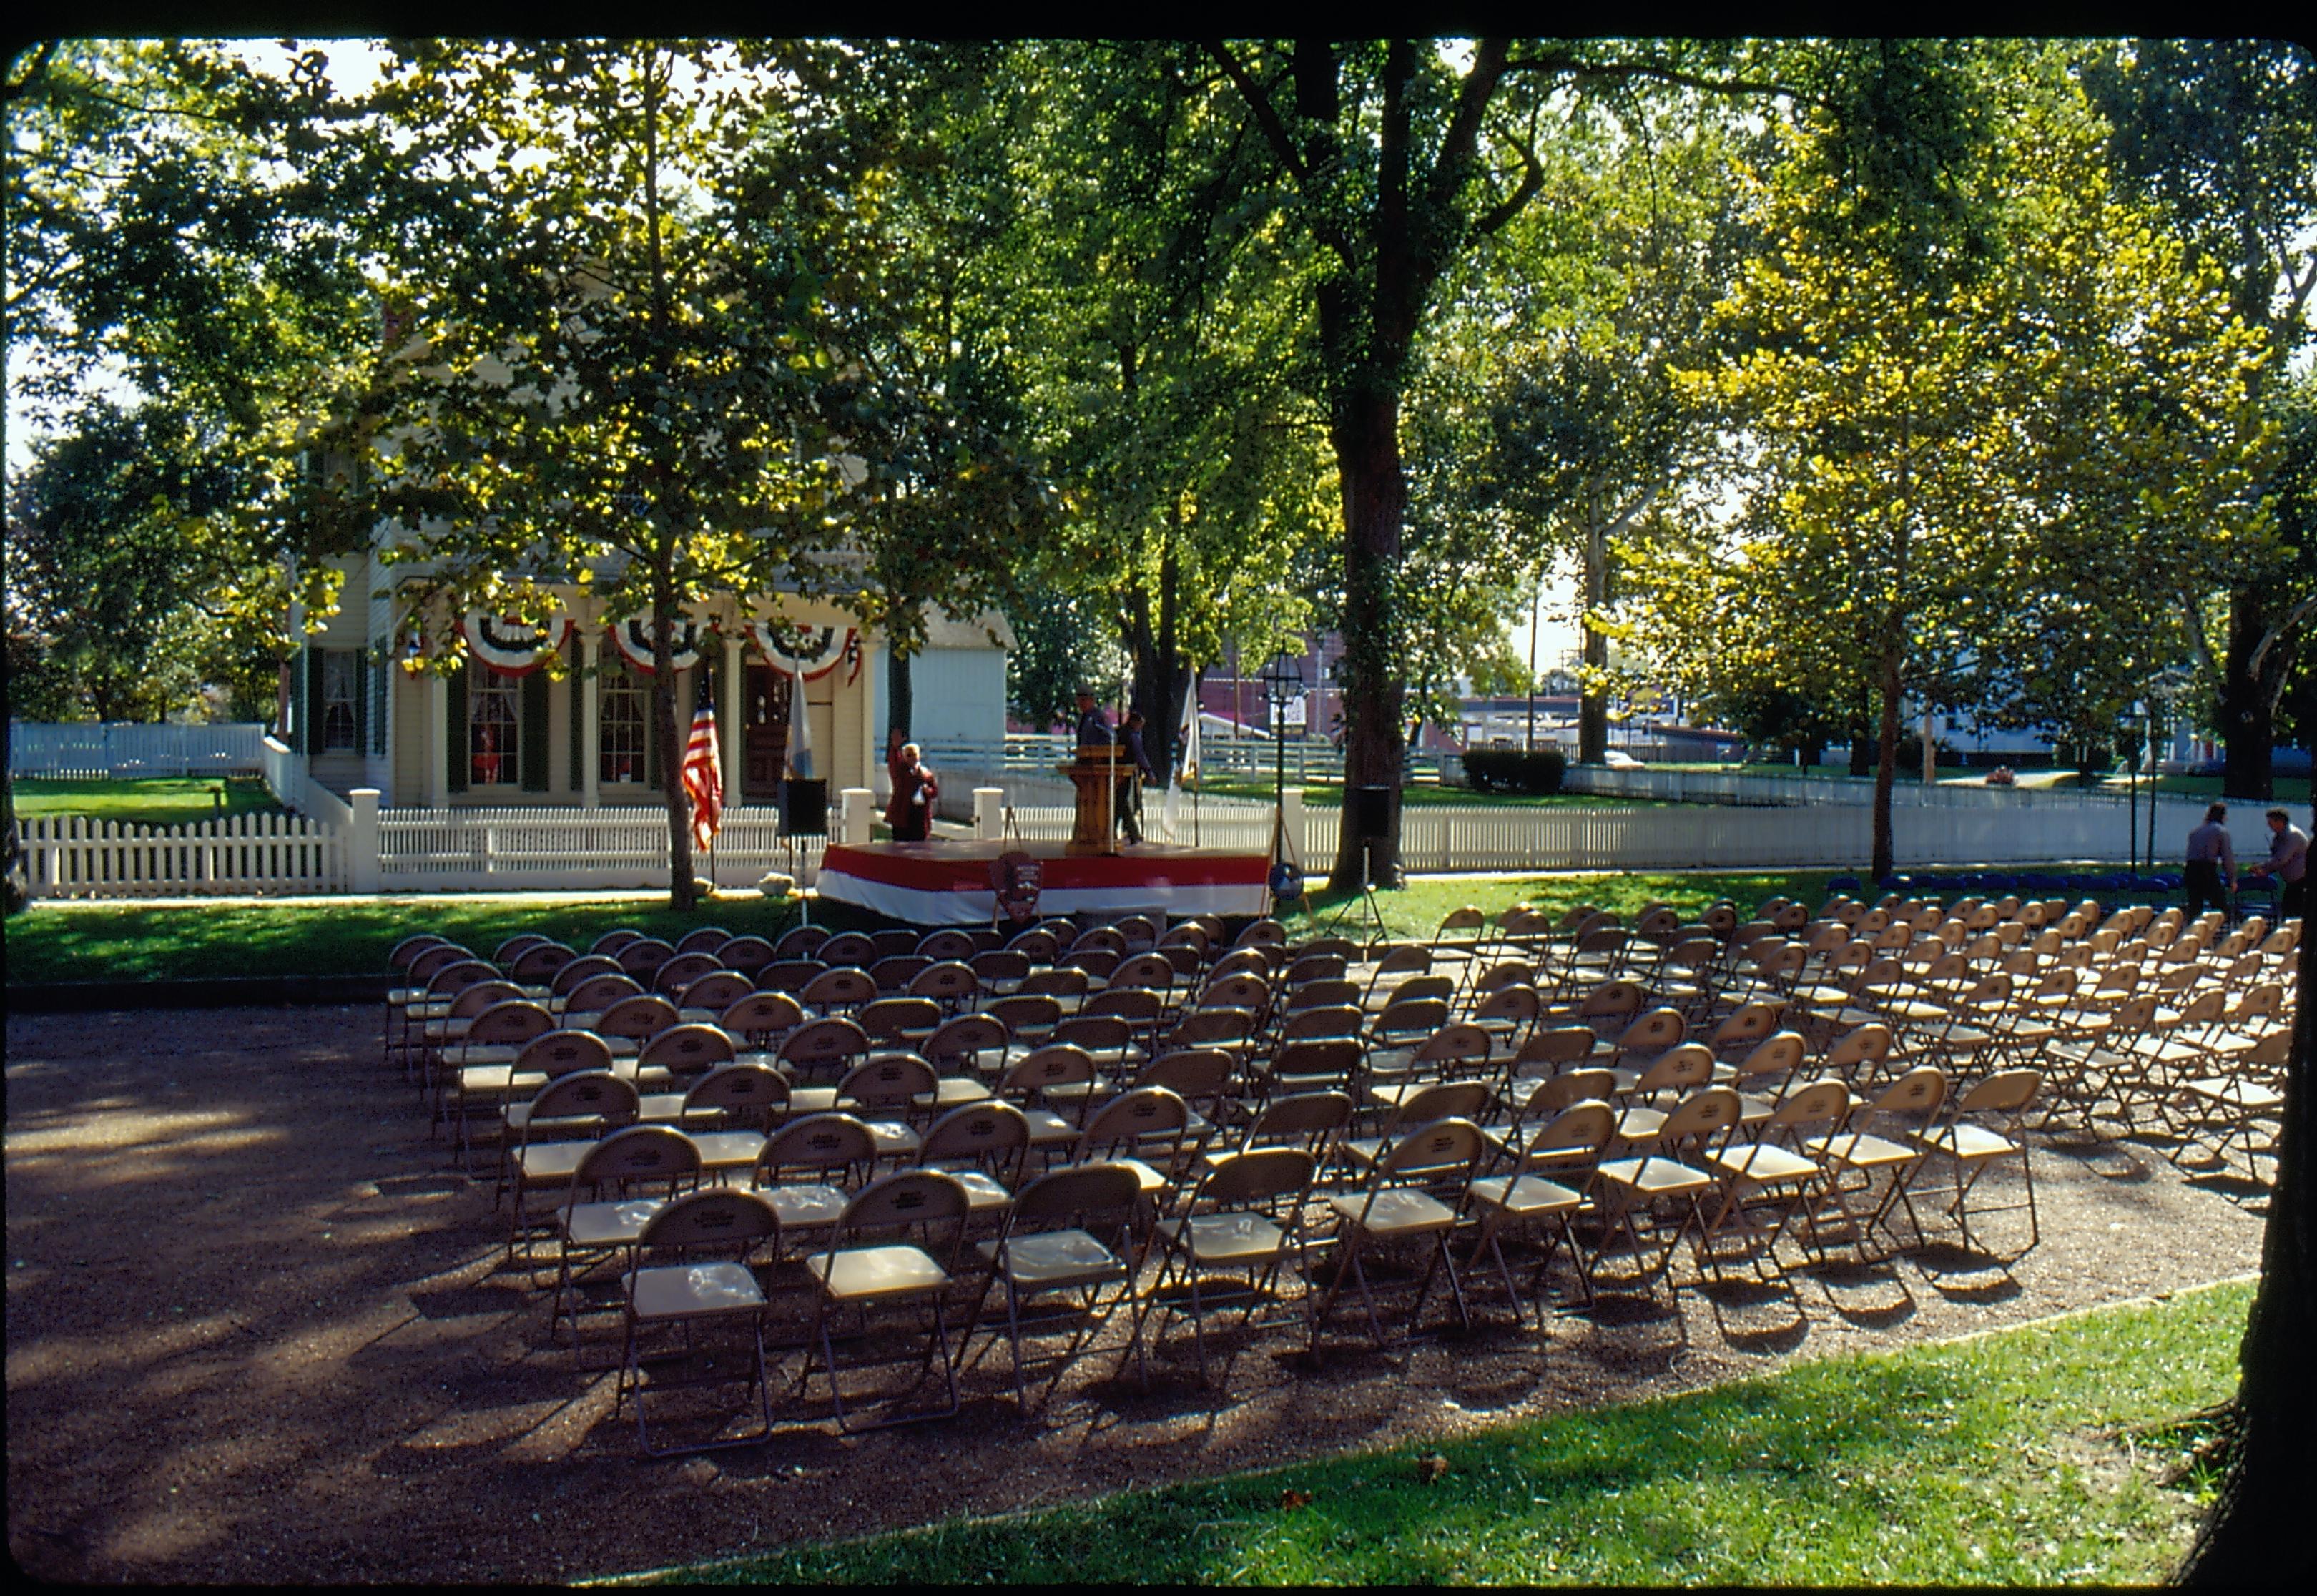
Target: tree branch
pixel 1259 103
pixel 32 73
pixel 1463 132
pixel 1620 71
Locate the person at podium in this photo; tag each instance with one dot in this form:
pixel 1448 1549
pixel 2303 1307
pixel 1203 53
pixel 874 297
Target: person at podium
pixel 1093 726
pixel 910 810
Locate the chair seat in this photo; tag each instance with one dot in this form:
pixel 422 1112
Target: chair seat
pixel 865 1274
pixel 1054 1258
pixel 1967 1144
pixel 1655 1177
pixel 690 1291
pixel 728 1149
pixel 1047 1128
pixel 1857 1150
pixel 1146 1177
pixel 1525 1197
pixel 609 1224
pixel 2250 1096
pixel 1639 1125
pixel 1395 1213
pixel 983 1194
pixel 1762 1163
pixel 894 1139
pixel 1227 1239
pixel 550 1161
pixel 804 1207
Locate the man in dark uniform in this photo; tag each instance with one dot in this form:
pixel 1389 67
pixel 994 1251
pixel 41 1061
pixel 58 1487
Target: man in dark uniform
pixel 2212 864
pixel 1093 726
pixel 1130 788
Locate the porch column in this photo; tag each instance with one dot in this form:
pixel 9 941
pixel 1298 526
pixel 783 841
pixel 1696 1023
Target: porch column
pixel 728 719
pixel 590 728
pixel 438 740
pixel 873 732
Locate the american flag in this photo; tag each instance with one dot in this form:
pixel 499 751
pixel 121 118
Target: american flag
pixel 703 777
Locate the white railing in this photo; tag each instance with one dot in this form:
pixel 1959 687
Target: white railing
pixel 118 750
pixel 80 856
pixel 449 849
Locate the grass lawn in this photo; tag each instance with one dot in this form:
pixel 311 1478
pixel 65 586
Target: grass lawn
pixel 2002 1459
pixel 53 941
pixel 157 800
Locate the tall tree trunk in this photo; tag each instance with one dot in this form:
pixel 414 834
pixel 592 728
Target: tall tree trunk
pixel 2246 720
pixel 1593 709
pixel 901 692
pixel 2256 1533
pixel 1886 768
pixel 1366 437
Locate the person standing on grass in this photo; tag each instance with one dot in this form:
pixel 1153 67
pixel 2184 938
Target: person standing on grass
pixel 2288 862
pixel 2211 864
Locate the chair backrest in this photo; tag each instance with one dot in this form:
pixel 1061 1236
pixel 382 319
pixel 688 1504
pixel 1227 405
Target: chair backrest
pixel 944 945
pixel 1409 1019
pixel 1697 1117
pixel 947 982
pixel 405 953
pixel 1917 1093
pixel 811 1148
pixel 747 955
pixel 1137 1005
pixel 851 949
pixel 1329 1058
pixel 1556 1049
pixel 1584 1124
pixel 890 1081
pixel 473 1000
pixel 1823 1101
pixel 1096 1197
pixel 2006 1091
pixel 1097 1033
pixel 704 939
pixel 1096 964
pixel 790 975
pixel 1243 990
pixel 999 965
pixel 583 1094
pixel 892 1019
pixel 675 974
pixel 1437 1148
pixel 1676 1070
pixel 1133 1117
pixel 643 1014
pixel 1611 1000
pixel 1443 1100
pixel 598 993
pixel 801 941
pixel 1652 1032
pixel 540 962
pixel 1743 1027
pixel 643 956
pixel 755 1093
pixel 1314 1118
pixel 993 1134
pixel 895 971
pixel 687 1049
pixel 823 1044
pixel 1045 1068
pixel 712 1216
pixel 1037 944
pixel 1197 1074
pixel 906 1198
pixel 1455 1043
pixel 762 1016
pixel 841 987
pixel 1256 1176
pixel 964 1037
pixel 888 943
pixel 636 1152
pixel 1204 1027
pixel 563 1053
pixel 613 940
pixel 1780 1054
pixel 716 991
pixel 1024 1014
pixel 586 967
pixel 1061 981
pixel 513 1021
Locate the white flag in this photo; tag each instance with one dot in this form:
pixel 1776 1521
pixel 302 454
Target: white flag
pixel 799 730
pixel 1187 755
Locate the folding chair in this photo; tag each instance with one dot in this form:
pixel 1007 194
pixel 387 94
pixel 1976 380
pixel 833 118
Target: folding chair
pixel 1629 1187
pixel 984 1144
pixel 1069 1231
pixel 565 1119
pixel 1910 1103
pixel 1773 1170
pixel 924 1211
pixel 693 1293
pixel 728 1112
pixel 1415 1192
pixel 1971 1147
pixel 1245 1213
pixel 1551 1179
pixel 2228 1104
pixel 610 1227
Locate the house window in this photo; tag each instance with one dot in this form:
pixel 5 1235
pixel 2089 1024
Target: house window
pixel 340 694
pixel 494 723
pixel 621 723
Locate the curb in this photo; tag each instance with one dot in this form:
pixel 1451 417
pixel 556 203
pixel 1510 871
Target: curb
pixel 75 997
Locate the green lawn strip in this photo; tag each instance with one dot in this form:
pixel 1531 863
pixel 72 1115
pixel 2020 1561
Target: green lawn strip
pixel 1997 1460
pixel 156 800
pixel 191 941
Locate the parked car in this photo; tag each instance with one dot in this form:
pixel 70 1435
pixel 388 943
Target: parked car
pixel 1617 759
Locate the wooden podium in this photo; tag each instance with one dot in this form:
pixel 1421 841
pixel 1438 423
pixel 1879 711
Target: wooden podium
pixel 1097 773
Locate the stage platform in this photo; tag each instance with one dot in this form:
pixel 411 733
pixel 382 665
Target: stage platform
pixel 945 883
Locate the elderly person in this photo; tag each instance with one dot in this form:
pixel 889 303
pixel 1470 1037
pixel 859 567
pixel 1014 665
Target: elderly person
pixel 2288 860
pixel 2212 875
pixel 909 811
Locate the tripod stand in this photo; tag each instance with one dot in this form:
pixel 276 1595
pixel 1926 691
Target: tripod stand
pixel 1365 901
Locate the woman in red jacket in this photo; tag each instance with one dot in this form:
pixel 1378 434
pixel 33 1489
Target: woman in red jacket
pixel 910 811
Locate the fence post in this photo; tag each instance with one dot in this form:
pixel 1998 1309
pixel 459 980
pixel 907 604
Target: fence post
pixel 988 813
pixel 360 841
pixel 854 806
pixel 1293 820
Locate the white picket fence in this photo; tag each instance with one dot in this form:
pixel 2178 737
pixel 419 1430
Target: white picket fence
pixel 119 751
pixel 455 849
pixel 80 856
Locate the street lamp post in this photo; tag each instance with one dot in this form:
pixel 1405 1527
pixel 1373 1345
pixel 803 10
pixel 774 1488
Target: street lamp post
pixel 1282 684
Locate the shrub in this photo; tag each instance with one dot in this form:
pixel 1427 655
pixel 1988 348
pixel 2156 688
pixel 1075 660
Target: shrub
pixel 1514 769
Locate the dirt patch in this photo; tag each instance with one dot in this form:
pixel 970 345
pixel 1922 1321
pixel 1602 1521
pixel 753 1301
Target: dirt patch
pixel 258 1330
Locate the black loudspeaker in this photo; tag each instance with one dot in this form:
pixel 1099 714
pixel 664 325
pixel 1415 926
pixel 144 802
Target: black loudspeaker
pixel 806 806
pixel 1370 812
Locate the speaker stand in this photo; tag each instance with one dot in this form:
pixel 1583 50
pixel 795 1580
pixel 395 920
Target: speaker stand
pixel 1366 900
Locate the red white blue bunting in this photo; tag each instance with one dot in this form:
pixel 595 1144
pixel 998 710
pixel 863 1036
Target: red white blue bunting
pixel 634 639
pixel 510 647
pixel 807 652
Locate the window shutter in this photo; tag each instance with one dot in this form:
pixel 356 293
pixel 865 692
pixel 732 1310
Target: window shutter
pixel 362 700
pixel 455 778
pixel 575 692
pixel 534 732
pixel 309 713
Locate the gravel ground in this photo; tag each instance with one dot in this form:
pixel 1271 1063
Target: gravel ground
pixel 257 1330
